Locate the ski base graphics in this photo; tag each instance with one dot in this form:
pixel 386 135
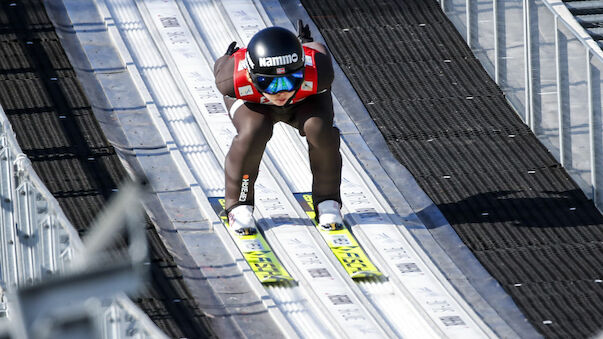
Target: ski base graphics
pixel 342 243
pixel 255 249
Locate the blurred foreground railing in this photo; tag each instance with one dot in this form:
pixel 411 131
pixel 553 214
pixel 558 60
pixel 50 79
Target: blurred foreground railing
pixel 38 246
pixel 550 71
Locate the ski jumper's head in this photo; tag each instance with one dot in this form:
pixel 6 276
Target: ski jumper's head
pixel 275 62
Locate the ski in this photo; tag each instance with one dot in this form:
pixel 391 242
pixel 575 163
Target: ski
pixel 256 251
pixel 342 243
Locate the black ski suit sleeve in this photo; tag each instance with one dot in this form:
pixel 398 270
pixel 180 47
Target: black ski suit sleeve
pixel 223 72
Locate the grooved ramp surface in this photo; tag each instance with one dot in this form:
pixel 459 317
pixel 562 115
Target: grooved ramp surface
pixel 55 127
pixel 448 123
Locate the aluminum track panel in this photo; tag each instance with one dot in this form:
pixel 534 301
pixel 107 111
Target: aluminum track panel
pixel 296 173
pixel 211 22
pixel 172 106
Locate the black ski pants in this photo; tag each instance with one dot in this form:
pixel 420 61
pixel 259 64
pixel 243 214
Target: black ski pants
pixel 313 118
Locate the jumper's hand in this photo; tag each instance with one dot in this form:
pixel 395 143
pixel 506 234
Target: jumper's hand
pixel 303 32
pixel 232 48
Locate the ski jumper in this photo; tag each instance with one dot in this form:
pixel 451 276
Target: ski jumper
pixel 310 111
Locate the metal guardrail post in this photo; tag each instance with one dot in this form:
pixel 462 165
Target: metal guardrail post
pixel 596 109
pixel 468 21
pixel 496 47
pixel 591 129
pixel 527 51
pixel 559 93
pixel 7 234
pixel 26 229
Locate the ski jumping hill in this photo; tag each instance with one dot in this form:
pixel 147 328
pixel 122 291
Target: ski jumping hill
pixel 477 231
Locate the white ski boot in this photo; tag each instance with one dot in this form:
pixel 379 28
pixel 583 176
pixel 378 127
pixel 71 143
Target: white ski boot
pixel 329 215
pixel 241 220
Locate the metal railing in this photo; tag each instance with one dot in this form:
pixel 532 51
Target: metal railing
pixel 36 239
pixel 549 69
pixel 38 242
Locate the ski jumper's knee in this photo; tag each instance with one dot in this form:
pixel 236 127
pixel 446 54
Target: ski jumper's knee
pixel 253 136
pixel 321 133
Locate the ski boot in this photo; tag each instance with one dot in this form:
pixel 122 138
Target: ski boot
pixel 241 220
pixel 329 215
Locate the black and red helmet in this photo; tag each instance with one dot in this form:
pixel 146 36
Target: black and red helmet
pixel 275 60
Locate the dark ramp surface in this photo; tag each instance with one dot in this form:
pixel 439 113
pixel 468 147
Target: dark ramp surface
pixel 55 127
pixel 444 119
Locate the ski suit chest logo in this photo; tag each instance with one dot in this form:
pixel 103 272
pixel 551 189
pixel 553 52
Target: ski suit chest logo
pixel 245 90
